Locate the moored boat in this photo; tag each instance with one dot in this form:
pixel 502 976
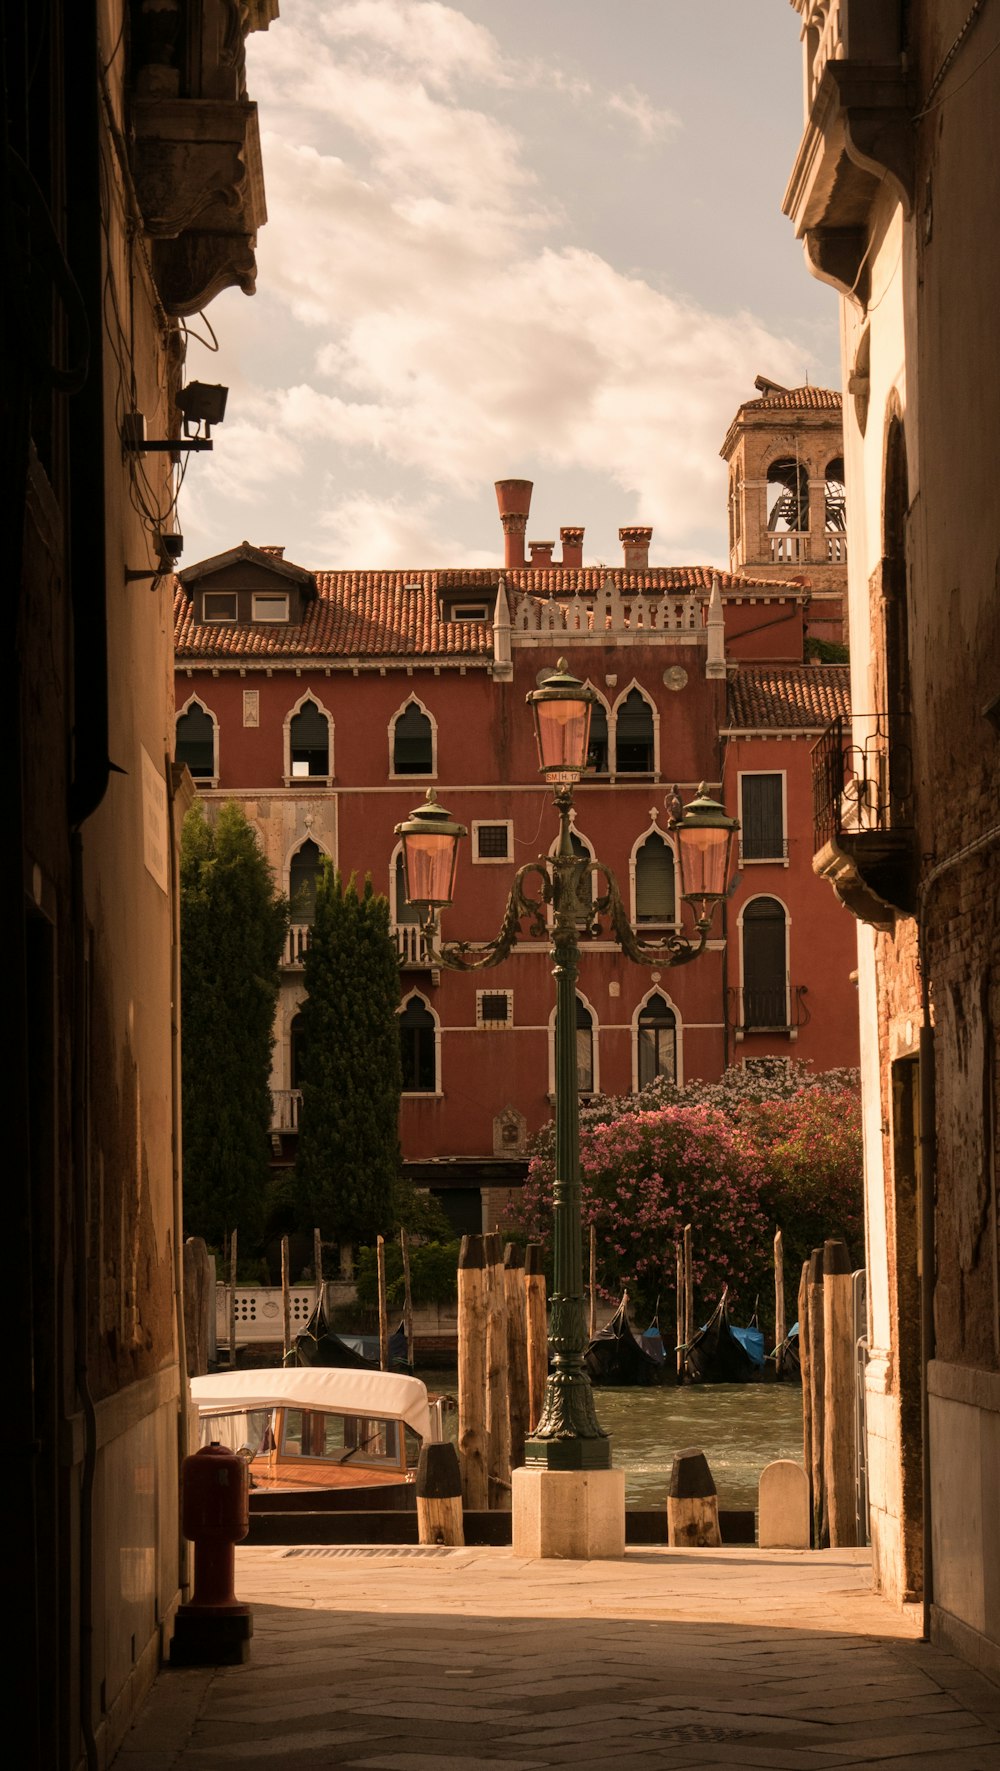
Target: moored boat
pixel 320 1437
pixel 721 1354
pixel 319 1344
pixel 618 1356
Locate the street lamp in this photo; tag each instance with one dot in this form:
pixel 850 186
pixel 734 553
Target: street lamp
pixel 568 1435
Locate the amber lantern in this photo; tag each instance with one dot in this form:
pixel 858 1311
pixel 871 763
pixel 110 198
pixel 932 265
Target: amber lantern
pixel 704 832
pixel 430 853
pixel 561 710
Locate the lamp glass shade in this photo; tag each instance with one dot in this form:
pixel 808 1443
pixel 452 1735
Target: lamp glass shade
pixel 561 711
pixel 705 834
pixel 430 839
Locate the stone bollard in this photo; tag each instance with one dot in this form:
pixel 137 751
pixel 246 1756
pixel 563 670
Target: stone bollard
pixel 439 1495
pixel 783 1521
pixel 692 1504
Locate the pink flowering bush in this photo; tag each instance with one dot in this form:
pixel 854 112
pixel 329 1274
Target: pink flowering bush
pixel 812 1185
pixel 643 1177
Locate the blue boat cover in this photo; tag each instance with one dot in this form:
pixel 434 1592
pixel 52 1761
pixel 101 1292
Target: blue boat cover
pixel 752 1342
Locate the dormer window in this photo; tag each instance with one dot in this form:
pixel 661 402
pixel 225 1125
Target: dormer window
pixel 469 612
pixel 268 605
pixel 220 605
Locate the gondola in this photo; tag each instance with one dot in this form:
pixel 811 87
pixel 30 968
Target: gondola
pixel 790 1371
pixel 617 1356
pixel 719 1354
pixel 319 1344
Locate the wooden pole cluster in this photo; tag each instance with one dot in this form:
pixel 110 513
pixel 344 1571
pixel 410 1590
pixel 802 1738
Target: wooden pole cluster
pixel 829 1434
pixel 502 1363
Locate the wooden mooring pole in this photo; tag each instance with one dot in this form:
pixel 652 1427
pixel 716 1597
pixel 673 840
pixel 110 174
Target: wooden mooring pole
pixel 472 1373
pixel 383 1308
pixel 538 1331
pixel 679 1265
pixel 497 1418
pixel 404 1244
pixel 318 1272
pixel 232 1299
pixel 593 1281
pixel 286 1305
pixel 816 1396
pixel 779 1302
pixel 688 1285
pixel 517 1351
pixel 805 1367
pixel 839 1416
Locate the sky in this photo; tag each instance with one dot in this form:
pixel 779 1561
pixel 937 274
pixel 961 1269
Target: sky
pixel 535 239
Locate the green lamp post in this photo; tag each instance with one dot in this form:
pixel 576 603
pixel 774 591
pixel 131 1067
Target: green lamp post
pixel 568 1435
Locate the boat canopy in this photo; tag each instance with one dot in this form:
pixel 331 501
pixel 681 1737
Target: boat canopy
pixel 378 1395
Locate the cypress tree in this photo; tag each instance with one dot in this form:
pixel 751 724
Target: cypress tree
pixel 348 1162
pixel 233 927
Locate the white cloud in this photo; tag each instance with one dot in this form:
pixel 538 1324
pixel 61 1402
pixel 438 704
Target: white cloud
pixel 434 322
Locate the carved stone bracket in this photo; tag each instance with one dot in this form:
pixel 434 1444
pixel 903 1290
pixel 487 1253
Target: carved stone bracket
pixel 200 183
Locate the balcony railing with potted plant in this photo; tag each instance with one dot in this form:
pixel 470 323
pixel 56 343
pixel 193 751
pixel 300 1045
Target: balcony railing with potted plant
pixel 863 833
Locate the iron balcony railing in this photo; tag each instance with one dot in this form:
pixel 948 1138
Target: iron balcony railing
pixel 777 1009
pixel 861 787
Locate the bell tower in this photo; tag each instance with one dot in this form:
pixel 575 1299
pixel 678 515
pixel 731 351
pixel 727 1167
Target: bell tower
pixel 787 520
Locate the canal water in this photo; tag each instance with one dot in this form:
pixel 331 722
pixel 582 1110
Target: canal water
pixel 739 1427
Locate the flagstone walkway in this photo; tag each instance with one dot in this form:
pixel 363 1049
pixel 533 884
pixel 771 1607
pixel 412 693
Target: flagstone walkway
pixel 412 1660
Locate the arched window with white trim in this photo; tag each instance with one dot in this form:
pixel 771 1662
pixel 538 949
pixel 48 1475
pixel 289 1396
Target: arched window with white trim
pixel 599 748
pixel 304 871
pixel 419 1046
pixel 654 886
pixel 764 957
pixel 413 740
pixel 308 742
pixel 635 734
pixel 655 1041
pixel 588 1066
pixel 196 740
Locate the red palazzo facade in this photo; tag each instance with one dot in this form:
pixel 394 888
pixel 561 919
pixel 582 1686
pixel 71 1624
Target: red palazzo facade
pixel 327 704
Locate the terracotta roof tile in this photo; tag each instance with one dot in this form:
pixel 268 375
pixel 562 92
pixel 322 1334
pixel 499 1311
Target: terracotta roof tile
pixel 397 614
pixel 818 399
pixel 789 697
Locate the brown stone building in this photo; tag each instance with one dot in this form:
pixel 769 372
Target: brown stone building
pixel 895 194
pixel 131 194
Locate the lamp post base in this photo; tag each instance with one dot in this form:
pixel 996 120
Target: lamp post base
pixel 568 1454
pixel 571 1515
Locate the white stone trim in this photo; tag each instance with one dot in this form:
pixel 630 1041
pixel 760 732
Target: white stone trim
pixel 652 829
pixel 595 1029
pixel 492 860
pixel 413 701
pixel 301 781
pixel 657 990
pixel 764 860
pixel 425 1094
pixel 195 700
pixel 642 774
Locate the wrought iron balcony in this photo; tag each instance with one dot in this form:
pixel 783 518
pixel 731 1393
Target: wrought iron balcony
pixel 863 832
pixel 777 1009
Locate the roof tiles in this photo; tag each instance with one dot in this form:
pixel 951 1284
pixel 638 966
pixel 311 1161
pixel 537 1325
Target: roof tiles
pixel 788 697
pixel 398 614
pixel 817 399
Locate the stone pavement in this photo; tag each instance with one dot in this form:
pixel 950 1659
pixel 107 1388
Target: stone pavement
pixel 413 1660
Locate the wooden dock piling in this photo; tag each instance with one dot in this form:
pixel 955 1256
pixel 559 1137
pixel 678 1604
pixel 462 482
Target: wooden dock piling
pixel 840 1435
pixel 538 1331
pixel 472 1373
pixel 383 1308
pixel 497 1418
pixel 779 1302
pixel 517 1351
pixel 805 1367
pixel 816 1399
pixel 404 1243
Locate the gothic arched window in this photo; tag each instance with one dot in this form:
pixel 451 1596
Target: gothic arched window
pixel 656 1038
pixel 654 881
pixel 309 741
pixel 584 1048
pixel 418 1048
pixel 195 741
pixel 412 742
pixel 303 878
pixel 634 745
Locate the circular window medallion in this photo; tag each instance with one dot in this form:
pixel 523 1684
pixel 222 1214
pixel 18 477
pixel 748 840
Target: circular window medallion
pixel 675 677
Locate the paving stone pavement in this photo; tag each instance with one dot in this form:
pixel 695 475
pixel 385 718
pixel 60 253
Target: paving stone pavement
pixel 458 1660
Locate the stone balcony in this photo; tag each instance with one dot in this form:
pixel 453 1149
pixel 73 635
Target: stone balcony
pixel 857 137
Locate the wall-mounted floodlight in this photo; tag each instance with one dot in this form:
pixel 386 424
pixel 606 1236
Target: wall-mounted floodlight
pixel 200 403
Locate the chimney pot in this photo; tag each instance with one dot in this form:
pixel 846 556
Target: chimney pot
pixel 513 503
pixel 572 546
pixel 541 552
pixel 635 540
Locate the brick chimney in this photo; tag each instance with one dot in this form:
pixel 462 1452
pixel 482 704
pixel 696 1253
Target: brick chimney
pixel 514 503
pixel 572 546
pixel 541 553
pixel 635 542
